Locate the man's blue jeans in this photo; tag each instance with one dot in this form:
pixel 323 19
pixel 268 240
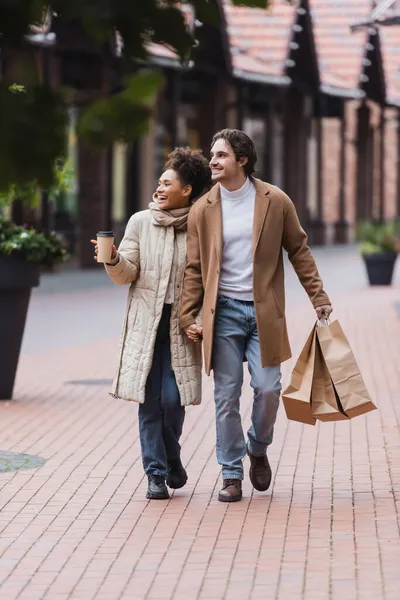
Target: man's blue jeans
pixel 161 416
pixel 236 338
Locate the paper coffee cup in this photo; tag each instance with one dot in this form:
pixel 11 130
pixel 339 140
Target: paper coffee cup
pixel 105 241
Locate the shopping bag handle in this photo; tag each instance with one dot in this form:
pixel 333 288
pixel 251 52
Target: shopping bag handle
pixel 323 322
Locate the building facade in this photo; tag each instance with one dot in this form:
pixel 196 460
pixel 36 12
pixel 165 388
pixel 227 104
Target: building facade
pixel 321 103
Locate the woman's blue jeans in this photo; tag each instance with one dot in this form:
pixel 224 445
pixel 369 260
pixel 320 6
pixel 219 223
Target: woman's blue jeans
pixel 161 416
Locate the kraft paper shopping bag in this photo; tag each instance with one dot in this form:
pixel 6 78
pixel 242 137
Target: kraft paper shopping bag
pixel 325 403
pixel 297 396
pixel 344 371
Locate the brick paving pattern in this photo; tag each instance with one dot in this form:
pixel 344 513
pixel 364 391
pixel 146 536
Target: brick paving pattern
pixel 79 527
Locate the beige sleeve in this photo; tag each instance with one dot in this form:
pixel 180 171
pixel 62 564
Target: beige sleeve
pixel 126 271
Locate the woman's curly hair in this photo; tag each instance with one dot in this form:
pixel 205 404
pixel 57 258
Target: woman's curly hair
pixel 192 169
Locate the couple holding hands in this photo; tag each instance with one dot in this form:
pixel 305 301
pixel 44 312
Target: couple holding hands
pixel 204 264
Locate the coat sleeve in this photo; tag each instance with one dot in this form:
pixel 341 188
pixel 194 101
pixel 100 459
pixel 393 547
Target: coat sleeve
pixel 192 292
pixel 295 243
pixel 126 271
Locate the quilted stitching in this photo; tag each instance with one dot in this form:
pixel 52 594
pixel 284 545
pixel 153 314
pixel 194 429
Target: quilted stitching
pixel 147 252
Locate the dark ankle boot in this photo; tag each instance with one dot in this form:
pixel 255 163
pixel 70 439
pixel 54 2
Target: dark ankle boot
pixel 231 491
pixel 177 476
pixel 260 471
pixel 157 490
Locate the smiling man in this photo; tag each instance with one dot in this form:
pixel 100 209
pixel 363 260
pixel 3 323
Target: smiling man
pixel 236 233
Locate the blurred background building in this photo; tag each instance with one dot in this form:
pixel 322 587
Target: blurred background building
pixel 321 102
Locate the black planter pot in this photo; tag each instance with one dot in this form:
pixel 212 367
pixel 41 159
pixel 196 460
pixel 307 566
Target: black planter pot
pixel 17 278
pixel 380 267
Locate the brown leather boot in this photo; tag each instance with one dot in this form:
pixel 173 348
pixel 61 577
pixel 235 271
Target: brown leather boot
pixel 231 491
pixel 260 472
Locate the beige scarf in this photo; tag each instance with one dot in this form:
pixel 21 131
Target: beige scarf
pixel 177 217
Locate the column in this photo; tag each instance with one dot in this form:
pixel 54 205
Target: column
pixel 363 191
pixel 133 180
pixel 147 166
pixel 295 152
pixel 212 111
pixel 316 226
pixel 382 165
pixel 175 92
pixel 270 117
pixel 398 165
pixel 277 145
pixel 93 199
pixel 341 226
pixel 118 184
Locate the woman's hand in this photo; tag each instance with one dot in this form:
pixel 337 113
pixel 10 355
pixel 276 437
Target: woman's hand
pixel 194 333
pixel 114 252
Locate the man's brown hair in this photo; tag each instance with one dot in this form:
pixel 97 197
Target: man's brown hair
pixel 242 145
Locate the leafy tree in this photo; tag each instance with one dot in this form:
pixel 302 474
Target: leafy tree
pixel 33 115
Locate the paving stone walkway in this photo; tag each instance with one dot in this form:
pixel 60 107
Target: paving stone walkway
pixel 80 528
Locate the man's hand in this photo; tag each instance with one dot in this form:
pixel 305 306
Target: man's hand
pixel 324 311
pixel 194 333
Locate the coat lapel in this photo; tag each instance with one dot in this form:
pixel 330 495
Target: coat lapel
pixel 261 206
pixel 214 216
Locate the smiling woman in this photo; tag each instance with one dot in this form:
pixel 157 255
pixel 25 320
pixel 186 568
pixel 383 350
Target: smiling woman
pixel 186 177
pixel 171 193
pixel 159 366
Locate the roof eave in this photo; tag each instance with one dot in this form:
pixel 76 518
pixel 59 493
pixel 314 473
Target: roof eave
pixel 42 39
pixel 282 80
pixel 393 102
pixel 351 94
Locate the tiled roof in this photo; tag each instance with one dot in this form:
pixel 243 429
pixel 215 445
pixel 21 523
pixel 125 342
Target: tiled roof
pixel 161 51
pixel 259 39
pixel 339 51
pixel 259 43
pixel 390 41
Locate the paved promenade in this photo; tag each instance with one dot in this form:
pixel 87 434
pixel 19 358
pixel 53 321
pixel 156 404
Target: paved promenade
pixel 74 522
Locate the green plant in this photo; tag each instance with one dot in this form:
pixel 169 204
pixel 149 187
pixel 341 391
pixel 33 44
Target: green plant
pixel 35 246
pixel 377 238
pixel 29 193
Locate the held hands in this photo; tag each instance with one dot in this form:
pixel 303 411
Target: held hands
pixel 323 312
pixel 114 253
pixel 194 333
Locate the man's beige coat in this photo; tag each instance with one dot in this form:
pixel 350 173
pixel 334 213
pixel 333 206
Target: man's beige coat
pixel 146 255
pixel 276 226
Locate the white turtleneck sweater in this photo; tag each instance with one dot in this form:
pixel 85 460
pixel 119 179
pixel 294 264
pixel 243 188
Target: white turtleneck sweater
pixel 236 280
